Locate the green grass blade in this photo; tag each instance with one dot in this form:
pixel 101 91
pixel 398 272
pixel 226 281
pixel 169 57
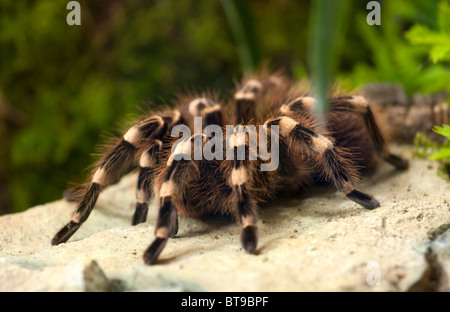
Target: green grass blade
pixel 241 23
pixel 327 34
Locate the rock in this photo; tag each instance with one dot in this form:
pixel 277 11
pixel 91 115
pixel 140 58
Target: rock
pixel 74 276
pixel 316 241
pixel 441 247
pixel 94 279
pixel 437 256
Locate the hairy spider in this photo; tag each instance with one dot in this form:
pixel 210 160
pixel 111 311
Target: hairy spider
pixel 337 151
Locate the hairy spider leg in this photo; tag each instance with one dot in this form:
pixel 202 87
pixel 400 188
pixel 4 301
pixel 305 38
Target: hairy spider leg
pixel 245 101
pixel 148 161
pixel 353 104
pixel 167 220
pixel 332 161
pixel 239 180
pixel 359 104
pixel 110 169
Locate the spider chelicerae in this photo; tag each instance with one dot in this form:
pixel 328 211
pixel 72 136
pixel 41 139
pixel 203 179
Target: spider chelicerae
pixel 337 151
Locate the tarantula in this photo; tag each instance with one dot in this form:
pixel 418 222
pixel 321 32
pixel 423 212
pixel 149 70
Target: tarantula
pixel 337 151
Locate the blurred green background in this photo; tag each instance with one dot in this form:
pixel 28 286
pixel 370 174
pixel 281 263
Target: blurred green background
pixel 62 88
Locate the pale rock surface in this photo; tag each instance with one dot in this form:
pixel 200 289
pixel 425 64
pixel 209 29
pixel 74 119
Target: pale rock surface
pixel 316 241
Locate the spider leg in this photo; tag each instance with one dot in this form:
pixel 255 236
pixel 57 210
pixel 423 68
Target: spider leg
pixel 208 109
pixel 359 104
pixel 240 177
pixel 353 104
pixel 167 221
pixel 245 205
pixel 109 170
pixel 166 225
pixel 245 101
pixel 332 161
pixel 149 159
pixel 213 115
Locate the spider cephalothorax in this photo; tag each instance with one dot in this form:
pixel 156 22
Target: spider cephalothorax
pixel 337 151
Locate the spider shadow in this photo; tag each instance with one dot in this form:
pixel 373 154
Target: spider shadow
pixel 204 225
pixel 299 201
pixel 324 192
pixel 383 172
pixel 164 260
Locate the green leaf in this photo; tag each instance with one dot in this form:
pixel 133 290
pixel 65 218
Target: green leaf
pixel 424 146
pixel 433 78
pixel 440 52
pixel 419 34
pixel 444 17
pixel 327 36
pixel 240 20
pixel 444 130
pixel 443 153
pixel 437 41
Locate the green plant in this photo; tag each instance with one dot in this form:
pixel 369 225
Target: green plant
pixel 399 56
pixel 438 41
pixel 433 150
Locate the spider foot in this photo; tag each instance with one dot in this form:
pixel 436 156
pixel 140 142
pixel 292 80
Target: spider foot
pixel 363 199
pixel 249 239
pixel 65 233
pixel 174 229
pixel 153 251
pixel 397 161
pixel 140 214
